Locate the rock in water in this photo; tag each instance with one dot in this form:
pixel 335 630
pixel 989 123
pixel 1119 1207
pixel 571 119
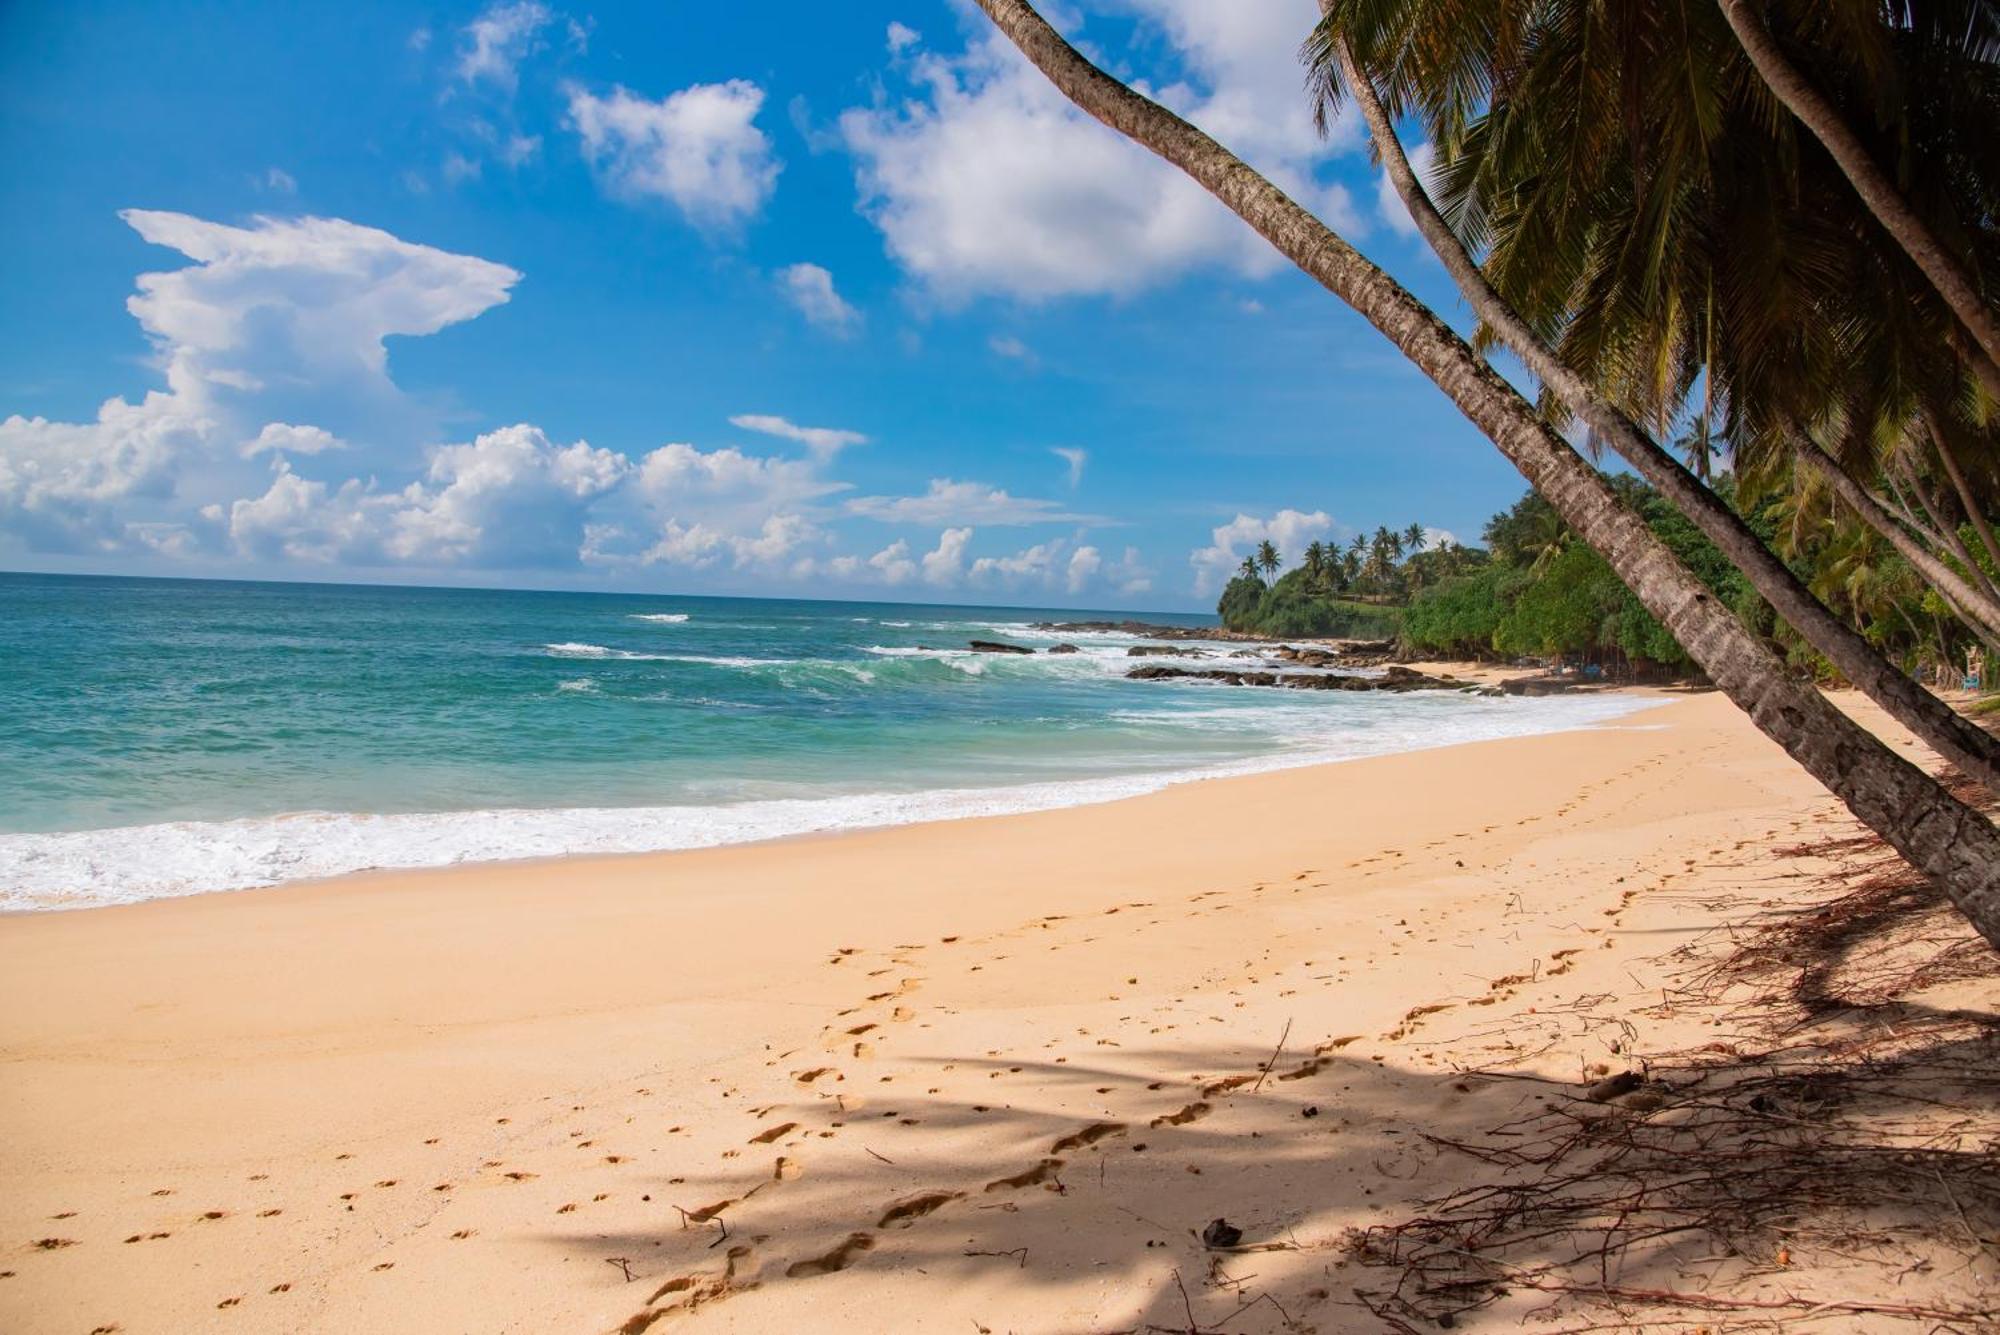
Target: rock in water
pixel 1064 649
pixel 996 647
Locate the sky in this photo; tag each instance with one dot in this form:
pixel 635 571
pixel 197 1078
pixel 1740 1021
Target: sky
pixel 786 299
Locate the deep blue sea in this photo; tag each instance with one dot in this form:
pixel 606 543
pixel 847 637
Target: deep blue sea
pixel 163 737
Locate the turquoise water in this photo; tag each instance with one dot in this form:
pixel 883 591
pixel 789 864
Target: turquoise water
pixel 167 736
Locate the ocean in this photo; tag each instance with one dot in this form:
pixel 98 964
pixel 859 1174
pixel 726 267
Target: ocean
pixel 167 737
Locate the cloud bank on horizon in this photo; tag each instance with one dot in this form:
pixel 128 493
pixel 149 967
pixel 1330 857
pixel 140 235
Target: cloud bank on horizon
pixel 278 438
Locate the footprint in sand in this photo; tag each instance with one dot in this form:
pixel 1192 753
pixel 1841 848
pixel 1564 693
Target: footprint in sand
pixel 912 1208
pixel 1088 1136
pixel 1044 1171
pixel 839 1258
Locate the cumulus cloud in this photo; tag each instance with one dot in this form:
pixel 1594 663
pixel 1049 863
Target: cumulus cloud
pixel 809 288
pixel 893 564
pixel 945 563
pixel 1084 563
pixel 823 441
pixel 277 437
pixel 984 179
pixel 1130 574
pixel 902 37
pixel 1288 530
pixel 1074 459
pixel 305 299
pixel 1006 345
pixel 698 149
pixel 282 313
pixel 950 502
pixel 510 499
pixel 493 45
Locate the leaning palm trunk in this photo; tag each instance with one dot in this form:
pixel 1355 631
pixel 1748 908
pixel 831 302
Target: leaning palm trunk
pixel 1877 191
pixel 1979 611
pixel 1954 845
pixel 1968 747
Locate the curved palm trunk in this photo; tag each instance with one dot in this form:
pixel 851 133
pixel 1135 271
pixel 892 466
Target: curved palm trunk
pixel 1877 191
pixel 1967 499
pixel 1980 611
pixel 1954 845
pixel 1966 746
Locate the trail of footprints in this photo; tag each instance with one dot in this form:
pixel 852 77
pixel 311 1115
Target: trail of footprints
pixel 854 1035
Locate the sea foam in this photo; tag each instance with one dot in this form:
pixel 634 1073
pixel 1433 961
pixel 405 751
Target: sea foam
pixel 91 868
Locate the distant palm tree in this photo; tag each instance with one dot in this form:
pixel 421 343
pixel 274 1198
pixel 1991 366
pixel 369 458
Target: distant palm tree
pixel 1248 570
pixel 1413 538
pixel 1316 562
pixel 1267 557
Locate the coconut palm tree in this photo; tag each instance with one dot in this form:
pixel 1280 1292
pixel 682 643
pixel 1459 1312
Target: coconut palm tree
pixel 1248 570
pixel 1940 263
pixel 1413 539
pixel 1422 71
pixel 1316 563
pixel 1943 837
pixel 1267 558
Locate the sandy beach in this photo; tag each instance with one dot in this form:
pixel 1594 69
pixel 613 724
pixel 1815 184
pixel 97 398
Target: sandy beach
pixel 994 1074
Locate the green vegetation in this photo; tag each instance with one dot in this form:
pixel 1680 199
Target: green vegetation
pixel 1356 592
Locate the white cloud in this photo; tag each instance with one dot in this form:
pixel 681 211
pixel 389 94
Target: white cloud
pixel 493 45
pixel 810 288
pixel 277 317
pixel 1074 459
pixel 893 564
pixel 280 180
pixel 1288 530
pixel 1034 565
pixel 949 502
pixel 64 486
pixel 283 437
pixel 987 180
pixel 1084 563
pixel 1130 574
pixel 306 299
pixel 902 37
pixel 1390 204
pixel 509 499
pixel 698 149
pixel 823 441
pixel 1006 345
pixel 945 564
pixel 457 169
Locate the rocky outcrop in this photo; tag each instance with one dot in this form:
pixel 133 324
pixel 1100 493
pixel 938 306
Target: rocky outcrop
pixel 997 647
pixel 1539 685
pixel 1064 649
pixel 1162 651
pixel 1395 679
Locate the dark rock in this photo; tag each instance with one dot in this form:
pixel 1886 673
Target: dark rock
pixel 1221 1233
pixel 1064 649
pixel 996 647
pixel 1536 685
pixel 1162 651
pixel 1395 679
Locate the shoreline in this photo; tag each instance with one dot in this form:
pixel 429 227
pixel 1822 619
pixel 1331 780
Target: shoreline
pixel 596 832
pixel 462 1098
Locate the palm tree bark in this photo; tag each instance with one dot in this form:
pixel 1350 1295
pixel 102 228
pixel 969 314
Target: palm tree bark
pixel 1877 191
pixel 1934 423
pixel 1953 844
pixel 1971 749
pixel 1980 611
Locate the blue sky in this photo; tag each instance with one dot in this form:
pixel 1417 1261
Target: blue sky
pixel 791 299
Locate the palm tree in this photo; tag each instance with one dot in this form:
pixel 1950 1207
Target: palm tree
pixel 1267 558
pixel 1315 562
pixel 1413 539
pixel 1248 570
pixel 1943 837
pixel 1419 78
pixel 1939 264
